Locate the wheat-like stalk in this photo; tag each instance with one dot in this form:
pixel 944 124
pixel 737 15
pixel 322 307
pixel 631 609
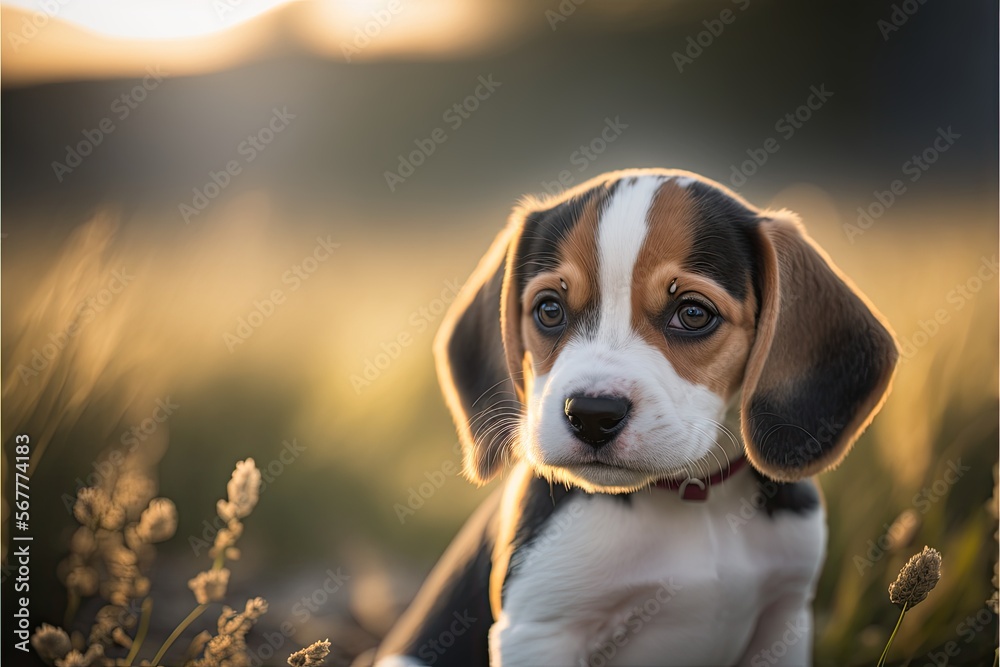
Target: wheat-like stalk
pixel 916 579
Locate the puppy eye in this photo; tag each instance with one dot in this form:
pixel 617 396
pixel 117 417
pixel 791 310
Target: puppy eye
pixel 549 314
pixel 692 316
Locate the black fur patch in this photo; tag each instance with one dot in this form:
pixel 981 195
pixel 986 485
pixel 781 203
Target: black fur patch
pixel 808 420
pixel 479 369
pixel 797 497
pixel 545 230
pixel 541 237
pixel 539 501
pixel 454 602
pixel 722 248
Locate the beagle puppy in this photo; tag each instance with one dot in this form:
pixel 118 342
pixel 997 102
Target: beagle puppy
pixel 596 350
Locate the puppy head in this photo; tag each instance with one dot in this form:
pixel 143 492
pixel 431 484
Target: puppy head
pixel 605 332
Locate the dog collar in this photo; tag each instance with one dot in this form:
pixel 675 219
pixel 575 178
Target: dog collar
pixel 694 488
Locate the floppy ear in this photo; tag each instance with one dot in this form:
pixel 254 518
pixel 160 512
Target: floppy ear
pixel 478 351
pixel 822 361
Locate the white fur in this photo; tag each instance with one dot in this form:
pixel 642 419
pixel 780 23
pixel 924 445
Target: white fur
pixel 620 234
pixel 399 661
pixel 716 583
pixel 672 423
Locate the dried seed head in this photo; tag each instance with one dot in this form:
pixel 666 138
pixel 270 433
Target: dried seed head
pixel 108 619
pixel 199 642
pixel 91 504
pixel 133 491
pixel 121 638
pixel 210 586
pixel 118 592
pixel 113 517
pixel 255 608
pixel 222 648
pixel 916 579
pixel 140 587
pixel 83 542
pixel 226 537
pixel 51 643
pixel 92 658
pixel 72 659
pixel 225 510
pixel 82 581
pixel 243 491
pixel 311 656
pixel 231 623
pixel 109 541
pixel 158 521
pixel 120 557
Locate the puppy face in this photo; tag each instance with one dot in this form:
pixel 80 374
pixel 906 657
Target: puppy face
pixel 618 306
pixel 603 337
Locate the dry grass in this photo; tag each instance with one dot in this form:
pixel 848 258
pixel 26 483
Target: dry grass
pixel 163 334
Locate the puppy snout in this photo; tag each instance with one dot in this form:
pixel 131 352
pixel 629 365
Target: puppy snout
pixel 596 420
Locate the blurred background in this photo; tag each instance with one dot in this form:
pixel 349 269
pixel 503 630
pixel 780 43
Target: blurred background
pixel 230 230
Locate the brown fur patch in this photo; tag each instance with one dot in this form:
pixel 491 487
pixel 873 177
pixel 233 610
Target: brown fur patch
pixel 716 361
pixel 578 268
pixel 823 360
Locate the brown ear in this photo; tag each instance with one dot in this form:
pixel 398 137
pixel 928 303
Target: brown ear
pixel 478 351
pixel 822 361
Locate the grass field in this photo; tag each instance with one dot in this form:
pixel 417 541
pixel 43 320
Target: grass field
pixel 341 365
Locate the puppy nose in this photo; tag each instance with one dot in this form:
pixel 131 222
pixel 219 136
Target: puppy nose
pixel 596 419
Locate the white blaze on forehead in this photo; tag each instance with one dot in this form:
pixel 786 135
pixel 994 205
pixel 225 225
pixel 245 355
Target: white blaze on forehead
pixel 620 234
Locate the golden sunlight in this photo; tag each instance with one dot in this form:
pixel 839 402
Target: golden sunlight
pixel 117 38
pixel 153 19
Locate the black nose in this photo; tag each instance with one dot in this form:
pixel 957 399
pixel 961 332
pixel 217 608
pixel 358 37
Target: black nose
pixel 596 419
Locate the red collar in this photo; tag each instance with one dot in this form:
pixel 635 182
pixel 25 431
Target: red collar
pixel 694 488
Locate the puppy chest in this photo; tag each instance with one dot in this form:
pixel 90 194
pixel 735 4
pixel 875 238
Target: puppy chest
pixel 653 576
